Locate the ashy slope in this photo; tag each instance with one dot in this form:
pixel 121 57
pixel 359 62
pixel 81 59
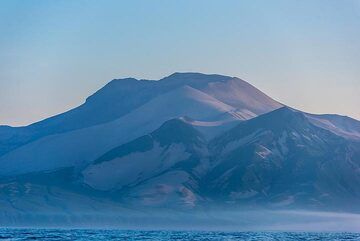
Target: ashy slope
pixel 55 199
pixel 282 159
pixel 279 159
pixel 155 169
pixel 159 169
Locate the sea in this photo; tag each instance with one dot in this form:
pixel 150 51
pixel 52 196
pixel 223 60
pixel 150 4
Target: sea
pixel 99 235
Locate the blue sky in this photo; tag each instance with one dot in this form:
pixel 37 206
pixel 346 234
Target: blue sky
pixel 53 54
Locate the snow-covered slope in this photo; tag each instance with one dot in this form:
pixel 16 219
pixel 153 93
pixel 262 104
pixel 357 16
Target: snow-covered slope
pixel 340 125
pixel 155 169
pixel 114 100
pixel 279 159
pixel 282 159
pixel 79 147
pixel 122 96
pixel 248 100
pixel 187 140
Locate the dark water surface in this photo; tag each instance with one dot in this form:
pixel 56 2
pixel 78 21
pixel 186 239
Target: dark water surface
pixel 98 235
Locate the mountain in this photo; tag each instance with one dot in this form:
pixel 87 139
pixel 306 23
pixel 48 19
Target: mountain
pixel 155 170
pixel 45 140
pixel 122 96
pixel 282 158
pixel 241 95
pixel 340 125
pixel 79 147
pixel 279 159
pixel 189 141
pixel 162 168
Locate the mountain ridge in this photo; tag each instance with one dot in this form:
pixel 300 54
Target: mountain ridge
pixel 114 100
pixel 186 141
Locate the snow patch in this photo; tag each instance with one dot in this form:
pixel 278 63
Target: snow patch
pixel 133 168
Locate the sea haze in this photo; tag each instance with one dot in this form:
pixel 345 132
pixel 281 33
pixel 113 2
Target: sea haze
pixel 100 235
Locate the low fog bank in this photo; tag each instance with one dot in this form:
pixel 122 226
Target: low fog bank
pixel 210 220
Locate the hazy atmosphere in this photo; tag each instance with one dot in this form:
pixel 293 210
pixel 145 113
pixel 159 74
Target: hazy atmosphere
pixel 53 54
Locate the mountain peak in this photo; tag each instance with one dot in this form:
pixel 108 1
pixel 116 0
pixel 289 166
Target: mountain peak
pixel 171 131
pixel 176 131
pixel 284 116
pixel 123 80
pixel 276 121
pixel 194 76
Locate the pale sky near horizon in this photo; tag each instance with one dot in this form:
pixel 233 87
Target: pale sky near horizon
pixel 53 54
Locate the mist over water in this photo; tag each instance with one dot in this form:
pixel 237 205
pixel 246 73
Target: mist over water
pixel 210 220
pixel 98 235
